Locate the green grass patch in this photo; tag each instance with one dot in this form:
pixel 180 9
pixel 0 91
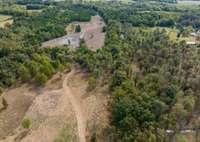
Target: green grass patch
pixel 189 137
pixel 172 33
pixel 181 138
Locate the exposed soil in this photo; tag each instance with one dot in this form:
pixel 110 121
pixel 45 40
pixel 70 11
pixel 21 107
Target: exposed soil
pixel 4 23
pixel 18 99
pixel 93 35
pixel 63 102
pixel 95 105
pixel 76 105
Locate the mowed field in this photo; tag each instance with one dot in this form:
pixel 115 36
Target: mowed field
pixel 5 19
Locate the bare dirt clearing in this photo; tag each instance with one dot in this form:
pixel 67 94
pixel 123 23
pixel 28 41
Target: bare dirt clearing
pixel 94 104
pixel 93 35
pixel 18 100
pixel 63 103
pixel 91 32
pixel 38 104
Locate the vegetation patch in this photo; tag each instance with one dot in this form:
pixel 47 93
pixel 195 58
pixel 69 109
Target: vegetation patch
pixel 26 123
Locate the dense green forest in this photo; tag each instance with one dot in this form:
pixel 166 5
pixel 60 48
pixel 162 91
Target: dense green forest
pixel 150 14
pixel 153 81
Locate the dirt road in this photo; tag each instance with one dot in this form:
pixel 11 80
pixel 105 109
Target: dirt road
pixel 77 108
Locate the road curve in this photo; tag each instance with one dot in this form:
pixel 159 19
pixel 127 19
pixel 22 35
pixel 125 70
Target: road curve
pixel 77 109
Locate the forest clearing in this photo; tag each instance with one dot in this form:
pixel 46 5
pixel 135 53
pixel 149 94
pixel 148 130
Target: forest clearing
pixel 91 32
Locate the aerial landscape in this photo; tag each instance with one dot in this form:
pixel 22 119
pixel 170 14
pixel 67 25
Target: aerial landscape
pixel 99 70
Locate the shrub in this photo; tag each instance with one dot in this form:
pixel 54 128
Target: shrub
pixel 104 29
pixel 92 83
pixel 1 91
pixel 4 102
pixel 26 123
pixel 40 79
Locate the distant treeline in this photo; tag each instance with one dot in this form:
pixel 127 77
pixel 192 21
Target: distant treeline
pixel 149 14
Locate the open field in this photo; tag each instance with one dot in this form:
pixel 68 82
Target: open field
pixel 93 35
pixel 4 19
pixel 173 32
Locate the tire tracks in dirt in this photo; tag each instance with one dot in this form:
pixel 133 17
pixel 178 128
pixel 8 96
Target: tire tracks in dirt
pixel 77 108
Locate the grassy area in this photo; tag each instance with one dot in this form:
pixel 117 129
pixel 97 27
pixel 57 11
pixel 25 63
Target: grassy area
pixel 185 137
pixel 173 32
pixel 181 138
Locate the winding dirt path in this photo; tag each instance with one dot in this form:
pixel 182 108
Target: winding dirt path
pixel 77 108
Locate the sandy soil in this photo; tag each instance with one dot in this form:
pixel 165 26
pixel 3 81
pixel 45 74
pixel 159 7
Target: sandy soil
pixel 95 106
pixel 93 35
pixel 18 99
pixel 3 23
pixel 76 105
